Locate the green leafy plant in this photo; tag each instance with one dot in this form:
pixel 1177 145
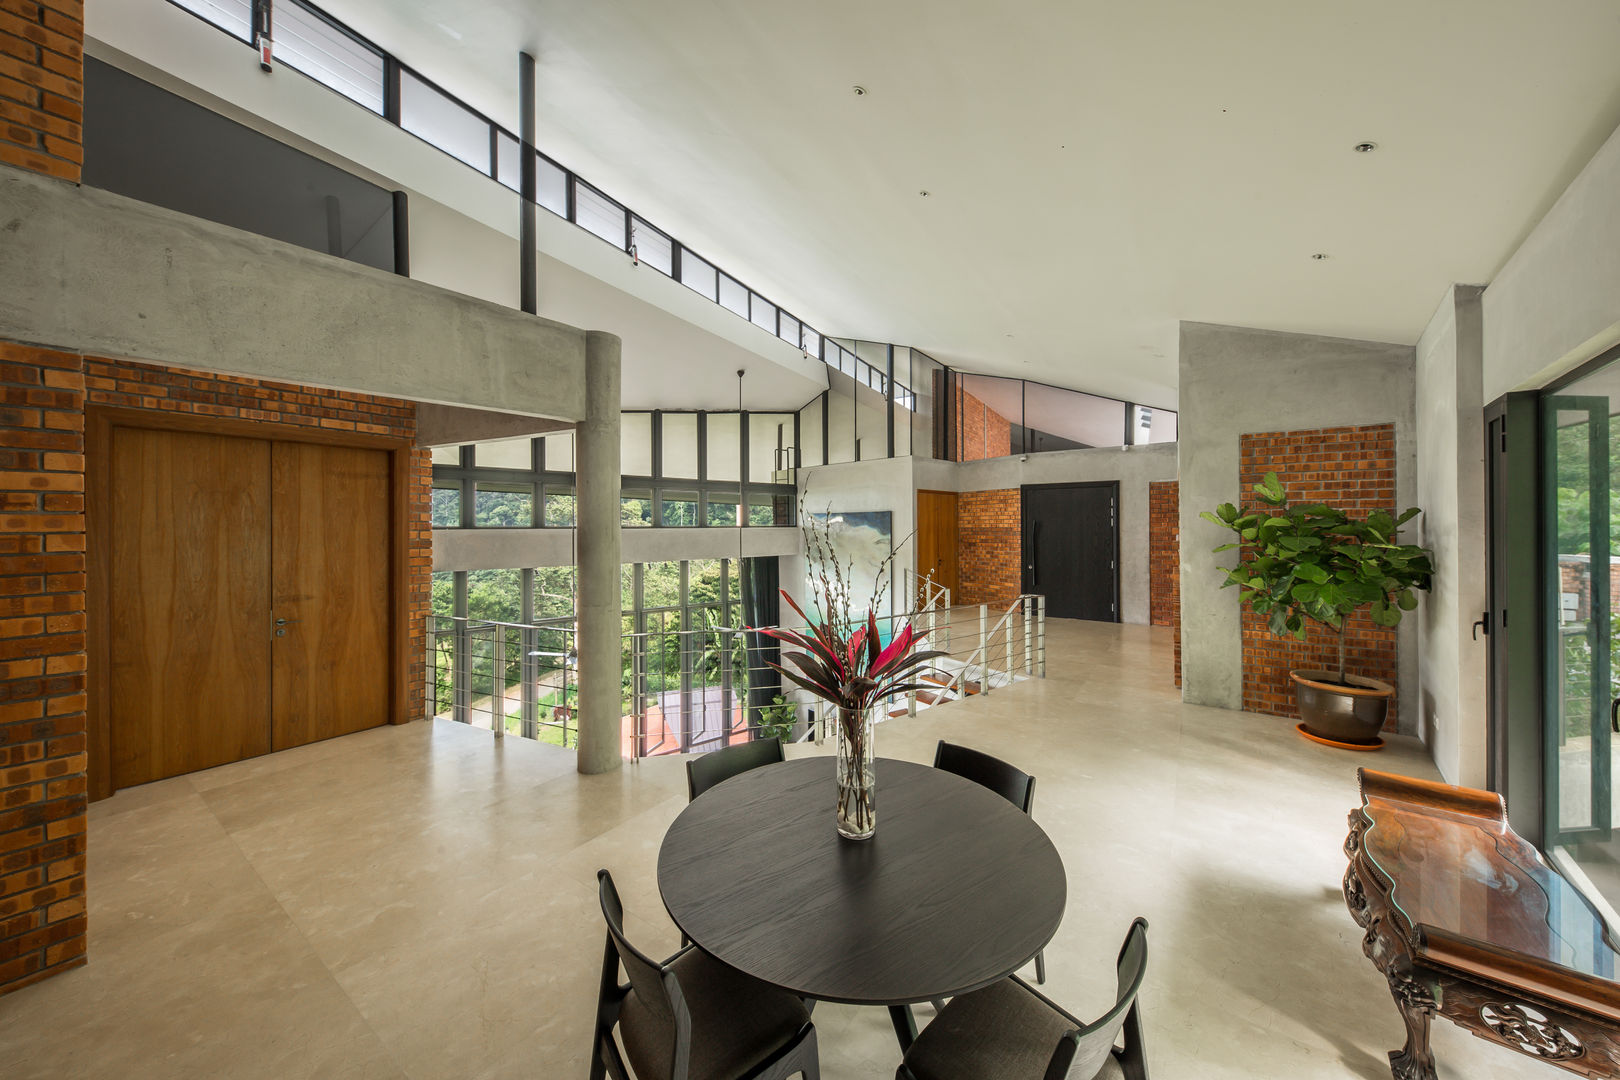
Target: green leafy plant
pixel 777 719
pixel 1316 563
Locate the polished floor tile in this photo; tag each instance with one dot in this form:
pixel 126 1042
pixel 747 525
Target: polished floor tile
pixel 420 901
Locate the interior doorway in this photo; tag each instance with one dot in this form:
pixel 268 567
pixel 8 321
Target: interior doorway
pixel 244 590
pixel 937 540
pixel 1071 548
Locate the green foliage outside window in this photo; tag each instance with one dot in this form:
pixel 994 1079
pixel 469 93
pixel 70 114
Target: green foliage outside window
pixel 446 510
pixel 503 509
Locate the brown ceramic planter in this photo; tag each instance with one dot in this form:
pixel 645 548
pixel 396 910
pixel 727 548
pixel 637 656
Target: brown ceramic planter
pixel 1352 714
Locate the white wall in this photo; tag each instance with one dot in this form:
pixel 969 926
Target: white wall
pixel 1556 304
pixel 1451 491
pixel 1133 468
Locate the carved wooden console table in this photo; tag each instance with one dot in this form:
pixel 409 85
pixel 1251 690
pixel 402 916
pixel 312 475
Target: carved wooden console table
pixel 1464 919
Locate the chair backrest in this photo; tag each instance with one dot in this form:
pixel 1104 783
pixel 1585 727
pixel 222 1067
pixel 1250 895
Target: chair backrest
pixel 646 975
pixel 707 770
pixel 1093 1043
pixel 1014 785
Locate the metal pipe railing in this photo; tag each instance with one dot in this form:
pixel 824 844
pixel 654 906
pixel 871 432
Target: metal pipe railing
pixel 695 688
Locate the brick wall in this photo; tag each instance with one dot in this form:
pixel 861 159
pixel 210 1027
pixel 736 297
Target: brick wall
pixel 1164 560
pixel 981 432
pixel 42 86
pixel 43 762
pixel 42 664
pixel 1352 469
pixel 989 530
pixel 146 386
pixel 1164 550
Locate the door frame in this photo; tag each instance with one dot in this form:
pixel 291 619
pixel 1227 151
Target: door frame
pixel 1514 545
pixel 1600 691
pixel 99 424
pixel 1024 552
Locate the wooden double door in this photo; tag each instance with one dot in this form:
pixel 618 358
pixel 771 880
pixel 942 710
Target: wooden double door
pixel 247 596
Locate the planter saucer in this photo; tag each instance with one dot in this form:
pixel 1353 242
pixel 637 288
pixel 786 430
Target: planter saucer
pixel 1376 744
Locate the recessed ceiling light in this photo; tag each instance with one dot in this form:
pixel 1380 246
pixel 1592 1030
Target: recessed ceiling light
pixel 1365 147
pixel 860 91
pixel 1319 256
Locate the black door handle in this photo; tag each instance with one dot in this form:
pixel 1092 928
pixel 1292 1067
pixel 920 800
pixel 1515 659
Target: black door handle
pixel 1614 715
pixel 1034 539
pixel 1483 621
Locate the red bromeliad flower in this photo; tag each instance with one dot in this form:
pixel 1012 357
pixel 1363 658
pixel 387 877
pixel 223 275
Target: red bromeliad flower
pixel 856 672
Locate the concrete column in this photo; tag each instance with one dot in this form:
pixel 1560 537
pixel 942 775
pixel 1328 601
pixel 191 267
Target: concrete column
pixel 596 476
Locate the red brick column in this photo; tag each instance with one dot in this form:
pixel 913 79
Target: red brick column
pixel 1164 559
pixel 42 86
pixel 1164 550
pixel 988 547
pixel 1352 469
pixel 42 664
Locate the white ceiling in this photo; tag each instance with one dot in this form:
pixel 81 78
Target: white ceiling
pixel 1098 171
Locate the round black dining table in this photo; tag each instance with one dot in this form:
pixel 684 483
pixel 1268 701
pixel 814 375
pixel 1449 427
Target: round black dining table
pixel 958 888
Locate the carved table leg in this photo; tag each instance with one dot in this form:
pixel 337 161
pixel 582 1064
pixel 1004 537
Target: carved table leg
pixel 1355 897
pixel 1414 1061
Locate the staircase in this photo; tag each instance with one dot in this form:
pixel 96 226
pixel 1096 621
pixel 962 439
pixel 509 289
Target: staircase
pixel 1010 650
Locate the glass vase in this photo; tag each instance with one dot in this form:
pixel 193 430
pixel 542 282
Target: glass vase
pixel 857 803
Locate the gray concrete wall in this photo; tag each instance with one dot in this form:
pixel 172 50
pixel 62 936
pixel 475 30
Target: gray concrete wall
pixel 1451 491
pixel 1236 381
pixel 89 271
pixel 1132 467
pixel 503 549
pixel 1556 304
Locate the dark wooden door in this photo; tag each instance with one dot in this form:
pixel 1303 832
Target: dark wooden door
pixel 936 539
pixel 189 666
pixel 1071 549
pixel 332 635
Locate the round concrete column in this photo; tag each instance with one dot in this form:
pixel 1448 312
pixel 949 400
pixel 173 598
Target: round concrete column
pixel 596 523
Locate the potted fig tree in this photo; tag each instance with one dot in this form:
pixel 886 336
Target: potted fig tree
pixel 1316 564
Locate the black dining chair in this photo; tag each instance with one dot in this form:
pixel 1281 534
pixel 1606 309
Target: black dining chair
pixel 692 1017
pixel 707 770
pixel 1012 784
pixel 1010 1031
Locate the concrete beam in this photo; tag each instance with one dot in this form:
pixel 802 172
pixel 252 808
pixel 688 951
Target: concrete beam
pixel 500 549
pixel 451 425
pixel 90 271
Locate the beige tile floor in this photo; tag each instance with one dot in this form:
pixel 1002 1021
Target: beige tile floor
pixel 420 901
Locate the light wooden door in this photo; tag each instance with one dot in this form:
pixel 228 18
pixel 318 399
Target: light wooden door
pixel 250 599
pixel 189 557
pixel 936 538
pixel 332 637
